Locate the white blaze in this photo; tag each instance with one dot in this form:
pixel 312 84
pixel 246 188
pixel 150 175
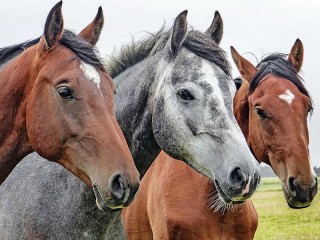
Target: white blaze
pixel 91 73
pixel 287 96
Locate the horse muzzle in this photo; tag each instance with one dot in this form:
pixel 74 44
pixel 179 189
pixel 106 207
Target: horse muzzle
pixel 121 194
pixel 239 187
pixel 298 197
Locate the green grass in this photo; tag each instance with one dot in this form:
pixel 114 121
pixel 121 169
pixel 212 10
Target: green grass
pixel 278 221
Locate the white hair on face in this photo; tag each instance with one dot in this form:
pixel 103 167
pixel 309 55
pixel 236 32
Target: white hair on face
pixel 91 73
pixel 287 96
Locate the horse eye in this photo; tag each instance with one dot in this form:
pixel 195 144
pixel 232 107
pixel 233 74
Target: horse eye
pixel 65 93
pixel 261 113
pixel 185 94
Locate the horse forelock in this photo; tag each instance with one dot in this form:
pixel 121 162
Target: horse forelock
pixel 84 50
pixel 277 64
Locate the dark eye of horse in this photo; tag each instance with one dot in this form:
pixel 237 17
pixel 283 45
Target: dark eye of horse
pixel 185 94
pixel 261 113
pixel 65 93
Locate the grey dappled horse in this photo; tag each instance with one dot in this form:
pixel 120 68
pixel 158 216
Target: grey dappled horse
pixel 174 93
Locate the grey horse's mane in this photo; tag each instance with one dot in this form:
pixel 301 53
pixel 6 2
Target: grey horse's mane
pixel 197 42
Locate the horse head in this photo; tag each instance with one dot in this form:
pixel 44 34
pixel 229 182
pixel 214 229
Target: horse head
pixel 271 107
pixel 193 116
pixel 66 112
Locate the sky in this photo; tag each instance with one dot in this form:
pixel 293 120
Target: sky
pixel 258 27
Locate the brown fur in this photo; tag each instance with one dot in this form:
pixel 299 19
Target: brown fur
pixel 175 207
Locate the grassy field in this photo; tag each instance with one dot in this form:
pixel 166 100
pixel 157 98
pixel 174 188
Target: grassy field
pixel 278 221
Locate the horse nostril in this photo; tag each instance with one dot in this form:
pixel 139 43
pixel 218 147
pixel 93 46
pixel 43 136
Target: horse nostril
pixel 237 178
pixel 292 184
pixel 118 186
pixel 256 180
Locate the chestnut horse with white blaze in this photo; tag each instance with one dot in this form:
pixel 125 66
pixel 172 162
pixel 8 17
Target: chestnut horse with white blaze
pixel 176 202
pixel 56 98
pixel 271 107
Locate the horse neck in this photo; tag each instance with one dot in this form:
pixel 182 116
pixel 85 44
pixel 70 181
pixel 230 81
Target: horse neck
pixel 133 110
pixel 13 137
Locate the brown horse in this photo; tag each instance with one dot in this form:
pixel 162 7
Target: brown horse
pixel 56 98
pixel 271 108
pixel 176 202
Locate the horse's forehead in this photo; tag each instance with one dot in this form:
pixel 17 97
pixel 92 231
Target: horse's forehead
pixel 218 82
pixel 91 73
pixel 274 91
pixel 190 67
pixel 187 67
pixel 276 86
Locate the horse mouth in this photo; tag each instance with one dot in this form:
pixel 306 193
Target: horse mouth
pixel 103 202
pixel 292 200
pixel 225 198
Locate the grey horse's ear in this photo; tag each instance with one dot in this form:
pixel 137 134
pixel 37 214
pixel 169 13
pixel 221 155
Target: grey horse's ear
pixel 215 31
pixel 92 32
pixel 179 31
pixel 296 55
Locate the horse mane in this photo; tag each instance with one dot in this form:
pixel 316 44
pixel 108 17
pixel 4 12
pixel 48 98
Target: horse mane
pixel 85 51
pixel 277 64
pixel 197 42
pixel 8 53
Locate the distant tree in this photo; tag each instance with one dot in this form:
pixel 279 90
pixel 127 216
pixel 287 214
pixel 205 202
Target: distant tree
pixel 317 170
pixel 266 171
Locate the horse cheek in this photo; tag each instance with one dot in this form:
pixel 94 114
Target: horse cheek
pixel 42 127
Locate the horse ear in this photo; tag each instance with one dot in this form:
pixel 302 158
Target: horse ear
pixel 246 69
pixel 179 31
pixel 54 26
pixel 92 32
pixel 296 55
pixel 215 31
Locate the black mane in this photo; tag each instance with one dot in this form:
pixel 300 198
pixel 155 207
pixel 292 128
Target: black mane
pixel 85 51
pixel 197 42
pixel 8 53
pixel 278 65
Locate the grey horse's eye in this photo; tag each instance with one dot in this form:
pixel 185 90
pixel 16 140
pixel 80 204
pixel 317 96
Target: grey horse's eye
pixel 65 93
pixel 185 94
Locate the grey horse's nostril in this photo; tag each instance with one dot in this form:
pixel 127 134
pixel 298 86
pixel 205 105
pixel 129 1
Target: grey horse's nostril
pixel 118 186
pixel 237 178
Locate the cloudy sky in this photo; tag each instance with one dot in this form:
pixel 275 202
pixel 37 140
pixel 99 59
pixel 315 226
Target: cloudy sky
pixel 258 27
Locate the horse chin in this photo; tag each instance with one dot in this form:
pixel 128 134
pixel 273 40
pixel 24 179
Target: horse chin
pixel 297 205
pixel 292 203
pixel 104 203
pixel 225 198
